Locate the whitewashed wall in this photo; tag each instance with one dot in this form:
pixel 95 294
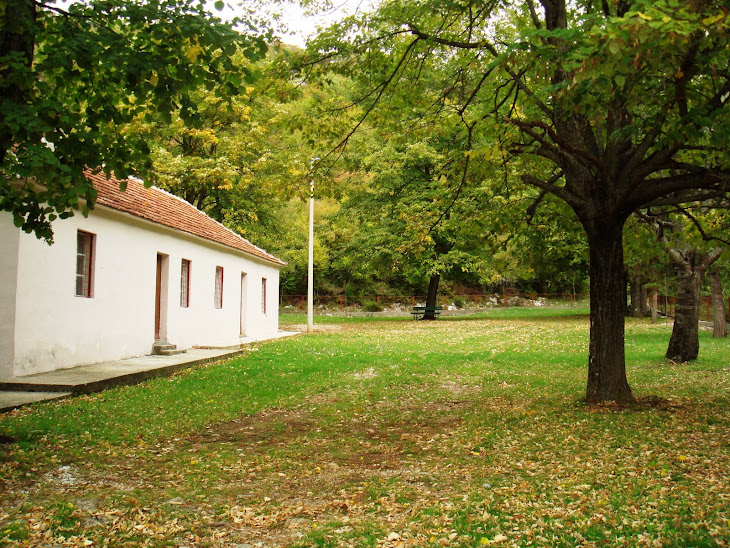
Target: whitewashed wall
pixel 55 329
pixel 9 239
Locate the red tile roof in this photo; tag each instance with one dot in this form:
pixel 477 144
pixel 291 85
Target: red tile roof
pixel 161 207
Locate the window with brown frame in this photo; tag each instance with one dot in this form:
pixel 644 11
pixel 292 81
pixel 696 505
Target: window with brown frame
pixel 263 295
pixel 218 296
pixel 85 264
pixel 185 283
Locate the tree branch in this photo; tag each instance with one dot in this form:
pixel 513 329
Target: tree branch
pixel 533 14
pixel 482 44
pixel 382 87
pixel 549 186
pixel 462 183
pixel 555 142
pixel 59 11
pixel 532 208
pixel 706 237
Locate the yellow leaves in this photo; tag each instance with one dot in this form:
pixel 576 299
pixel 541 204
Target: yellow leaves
pixel 207 135
pixel 154 79
pixel 517 113
pixel 225 184
pixel 193 51
pixel 243 113
pixel 488 153
pixel 707 21
pixel 644 16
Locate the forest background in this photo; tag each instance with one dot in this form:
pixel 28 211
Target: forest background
pixel 394 206
pixel 421 194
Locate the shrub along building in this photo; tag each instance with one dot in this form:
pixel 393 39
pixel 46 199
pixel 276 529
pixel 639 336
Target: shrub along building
pixel 143 269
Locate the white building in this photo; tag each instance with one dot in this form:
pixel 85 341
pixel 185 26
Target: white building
pixel 145 266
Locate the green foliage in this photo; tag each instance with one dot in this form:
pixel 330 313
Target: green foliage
pixel 682 237
pixel 216 165
pixel 65 519
pixel 290 242
pixel 371 306
pixel 73 80
pixel 14 531
pixel 610 107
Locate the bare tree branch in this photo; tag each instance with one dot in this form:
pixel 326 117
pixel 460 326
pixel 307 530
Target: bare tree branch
pixel 533 14
pixel 482 44
pixel 549 186
pixel 381 90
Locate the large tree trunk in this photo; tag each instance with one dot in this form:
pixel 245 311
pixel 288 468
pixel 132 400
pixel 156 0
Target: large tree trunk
pixel 432 296
pixel 606 358
pixel 684 344
pixel 718 306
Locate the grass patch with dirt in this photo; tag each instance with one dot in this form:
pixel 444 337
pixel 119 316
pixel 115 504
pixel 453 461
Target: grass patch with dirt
pixel 461 432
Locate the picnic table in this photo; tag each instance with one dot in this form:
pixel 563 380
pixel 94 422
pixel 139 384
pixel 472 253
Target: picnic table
pixel 419 311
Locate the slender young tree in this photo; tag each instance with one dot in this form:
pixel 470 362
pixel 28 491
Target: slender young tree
pixel 645 263
pixel 719 326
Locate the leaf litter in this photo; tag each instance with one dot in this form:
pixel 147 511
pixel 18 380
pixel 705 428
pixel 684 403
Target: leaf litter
pixel 441 438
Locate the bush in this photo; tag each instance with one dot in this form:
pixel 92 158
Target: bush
pixel 371 306
pixel 459 302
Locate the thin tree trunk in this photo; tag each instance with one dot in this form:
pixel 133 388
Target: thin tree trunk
pixel 635 295
pixel 718 306
pixel 639 296
pixel 606 361
pixel 432 297
pixel 644 308
pixel 654 305
pixel 684 344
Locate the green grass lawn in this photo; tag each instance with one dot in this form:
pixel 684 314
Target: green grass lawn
pixel 461 432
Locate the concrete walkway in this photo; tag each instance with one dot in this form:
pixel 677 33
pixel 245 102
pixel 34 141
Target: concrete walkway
pixel 19 391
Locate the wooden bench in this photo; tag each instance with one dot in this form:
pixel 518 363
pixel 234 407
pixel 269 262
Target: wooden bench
pixel 419 311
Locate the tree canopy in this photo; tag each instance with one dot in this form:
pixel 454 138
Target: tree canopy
pixel 72 79
pixel 614 106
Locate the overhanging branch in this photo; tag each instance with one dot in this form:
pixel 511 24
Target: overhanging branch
pixel 681 188
pixel 481 44
pixel 703 233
